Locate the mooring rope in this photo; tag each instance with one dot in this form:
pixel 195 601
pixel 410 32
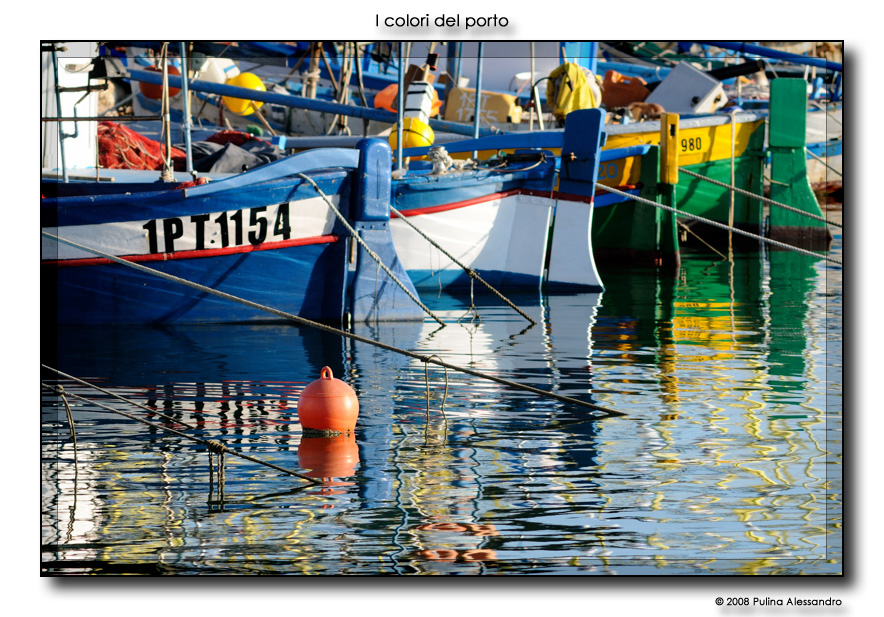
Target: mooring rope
pixel 758 197
pixel 736 230
pixel 313 324
pixel 470 272
pixel 67 408
pixel 709 246
pixel 472 310
pixel 362 243
pixel 214 446
pixel 828 112
pixel 824 163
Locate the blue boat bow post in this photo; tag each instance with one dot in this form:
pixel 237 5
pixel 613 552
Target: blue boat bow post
pixel 373 295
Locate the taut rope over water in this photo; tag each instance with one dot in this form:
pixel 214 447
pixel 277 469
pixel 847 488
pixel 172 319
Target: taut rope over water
pixel 365 246
pixel 313 324
pixel 736 230
pixel 214 446
pixel 825 164
pixel 470 272
pixel 766 200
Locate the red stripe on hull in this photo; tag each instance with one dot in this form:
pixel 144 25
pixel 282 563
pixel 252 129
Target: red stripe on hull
pixel 457 204
pixel 267 246
pixel 478 200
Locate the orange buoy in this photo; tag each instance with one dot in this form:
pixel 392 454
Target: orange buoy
pixel 328 406
pixel 155 91
pixel 388 98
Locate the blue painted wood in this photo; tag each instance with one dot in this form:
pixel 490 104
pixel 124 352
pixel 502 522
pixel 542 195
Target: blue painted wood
pixel 373 179
pixel 609 199
pixel 512 141
pixel 303 280
pixel 579 166
pixel 301 162
pixel 622 153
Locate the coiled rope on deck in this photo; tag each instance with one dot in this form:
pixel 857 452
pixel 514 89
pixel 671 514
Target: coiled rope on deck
pixel 362 243
pixel 761 198
pixel 214 446
pixel 470 272
pixel 735 230
pixel 313 324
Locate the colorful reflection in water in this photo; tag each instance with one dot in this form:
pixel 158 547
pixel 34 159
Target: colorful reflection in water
pixel 728 460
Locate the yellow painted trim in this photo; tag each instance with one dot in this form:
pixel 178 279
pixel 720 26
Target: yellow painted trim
pixel 696 145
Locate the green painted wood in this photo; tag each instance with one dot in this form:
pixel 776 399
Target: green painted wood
pixel 711 201
pixel 788 167
pixel 788 113
pixel 629 230
pixel 791 186
pixel 632 233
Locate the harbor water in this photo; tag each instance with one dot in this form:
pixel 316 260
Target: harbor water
pixel 727 459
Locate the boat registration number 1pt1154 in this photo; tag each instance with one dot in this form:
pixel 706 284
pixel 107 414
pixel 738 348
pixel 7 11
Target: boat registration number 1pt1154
pixel 304 221
pixel 249 226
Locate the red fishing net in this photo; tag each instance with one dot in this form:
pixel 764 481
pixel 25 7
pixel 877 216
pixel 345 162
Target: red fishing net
pixel 237 138
pixel 122 148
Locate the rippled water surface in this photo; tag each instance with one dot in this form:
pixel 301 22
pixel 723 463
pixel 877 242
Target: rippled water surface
pixel 727 460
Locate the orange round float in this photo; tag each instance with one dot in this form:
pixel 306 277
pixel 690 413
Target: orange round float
pixel 155 91
pixel 387 99
pixel 328 405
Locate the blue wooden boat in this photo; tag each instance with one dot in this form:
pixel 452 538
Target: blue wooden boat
pixel 518 219
pixel 266 235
